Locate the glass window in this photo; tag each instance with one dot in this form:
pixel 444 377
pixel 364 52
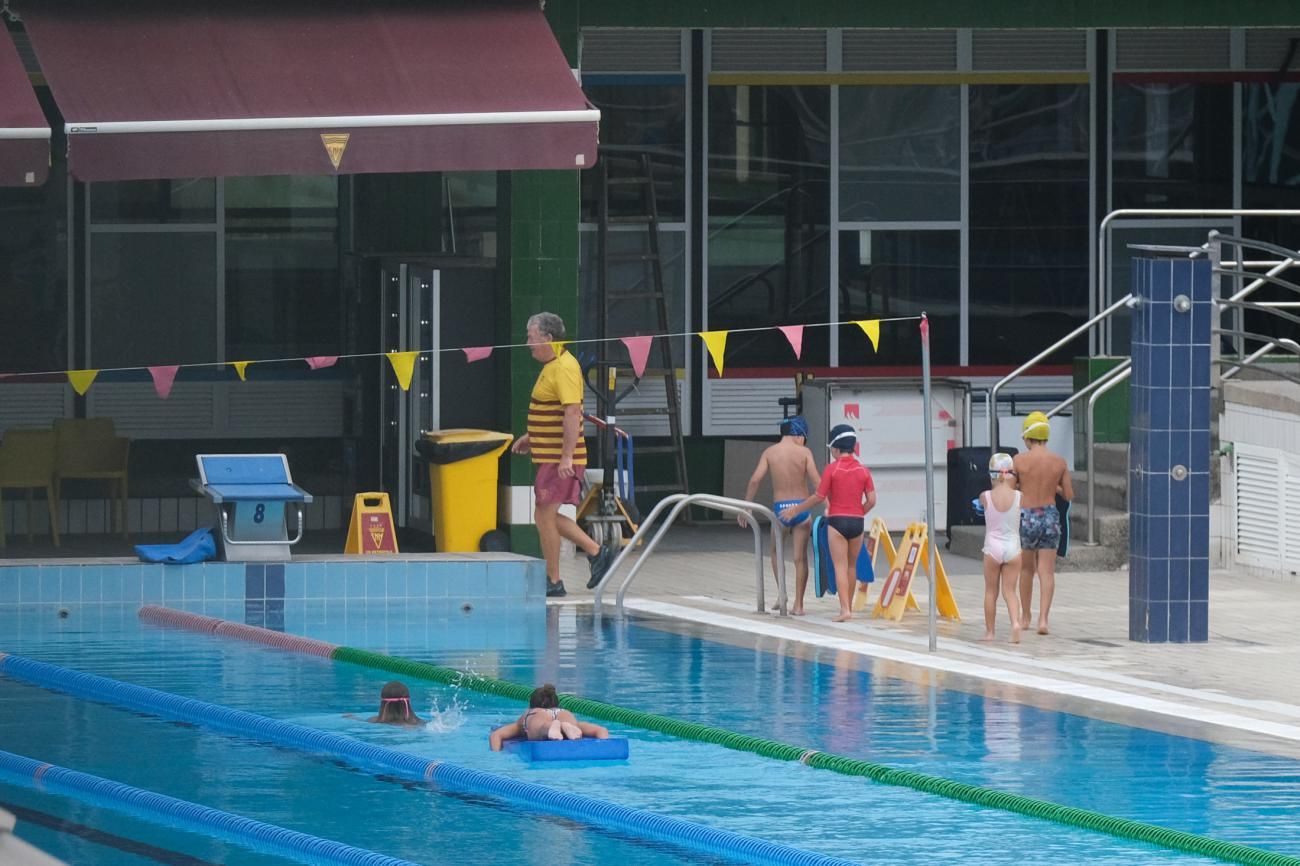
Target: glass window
pixel 768 219
pixel 638 119
pixel 900 273
pixel 469 213
pixel 900 153
pixel 1028 219
pixel 177 200
pixel 152 298
pixel 1271 179
pixel 282 267
pixel 1172 145
pixel 33 277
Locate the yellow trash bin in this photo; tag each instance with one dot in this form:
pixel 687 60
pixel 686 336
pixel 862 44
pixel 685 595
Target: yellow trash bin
pixel 463 487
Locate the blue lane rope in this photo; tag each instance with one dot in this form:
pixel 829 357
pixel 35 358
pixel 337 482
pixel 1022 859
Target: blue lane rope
pixel 447 777
pixel 255 835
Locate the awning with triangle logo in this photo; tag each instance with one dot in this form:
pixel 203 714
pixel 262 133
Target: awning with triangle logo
pixel 185 88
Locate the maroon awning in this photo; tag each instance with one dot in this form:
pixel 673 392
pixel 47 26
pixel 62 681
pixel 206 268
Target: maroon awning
pixel 184 88
pixel 24 134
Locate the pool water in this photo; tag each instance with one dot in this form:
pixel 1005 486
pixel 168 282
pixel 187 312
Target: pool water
pixel 752 686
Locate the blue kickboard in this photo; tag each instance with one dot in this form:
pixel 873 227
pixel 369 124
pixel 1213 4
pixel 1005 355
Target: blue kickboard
pixel 586 749
pixel 1063 508
pixel 824 571
pixel 198 546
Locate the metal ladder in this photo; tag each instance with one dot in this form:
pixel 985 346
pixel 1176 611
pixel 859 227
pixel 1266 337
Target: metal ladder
pixel 650 287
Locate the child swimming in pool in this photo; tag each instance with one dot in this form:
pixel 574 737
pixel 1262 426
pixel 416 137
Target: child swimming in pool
pixel 395 706
pixel 544 720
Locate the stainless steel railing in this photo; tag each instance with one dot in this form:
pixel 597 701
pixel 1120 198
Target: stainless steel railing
pixel 678 503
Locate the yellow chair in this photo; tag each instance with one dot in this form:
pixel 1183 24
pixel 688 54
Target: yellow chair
pixel 27 461
pixel 89 449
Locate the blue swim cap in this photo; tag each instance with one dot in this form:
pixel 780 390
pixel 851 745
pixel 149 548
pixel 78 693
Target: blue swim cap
pixel 795 425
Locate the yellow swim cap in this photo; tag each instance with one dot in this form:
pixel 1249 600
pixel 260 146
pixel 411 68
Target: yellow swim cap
pixel 1036 427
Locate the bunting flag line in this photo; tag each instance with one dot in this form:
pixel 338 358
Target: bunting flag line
pixel 794 333
pixel 716 341
pixel 871 327
pixel 638 350
pixel 163 377
pixel 81 380
pixel 404 362
pixel 404 366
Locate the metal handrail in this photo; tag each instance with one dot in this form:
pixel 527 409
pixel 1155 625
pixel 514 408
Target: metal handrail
pixel 1248 361
pixel 681 501
pixel 1090 387
pixel 1091 447
pixel 990 400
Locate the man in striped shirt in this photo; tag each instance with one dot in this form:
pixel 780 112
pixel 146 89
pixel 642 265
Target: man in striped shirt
pixel 554 439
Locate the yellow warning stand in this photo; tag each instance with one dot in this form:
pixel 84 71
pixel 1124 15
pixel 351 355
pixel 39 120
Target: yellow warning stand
pixel 913 555
pixel 877 540
pixel 371 528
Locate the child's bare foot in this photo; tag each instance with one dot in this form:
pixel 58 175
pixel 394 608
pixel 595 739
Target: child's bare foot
pixel 1042 628
pixel 798 611
pixel 571 731
pixel 988 636
pixel 1015 633
pixel 554 732
pixel 844 617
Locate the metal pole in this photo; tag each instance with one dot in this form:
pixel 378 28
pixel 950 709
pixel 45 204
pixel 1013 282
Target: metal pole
pixel 929 481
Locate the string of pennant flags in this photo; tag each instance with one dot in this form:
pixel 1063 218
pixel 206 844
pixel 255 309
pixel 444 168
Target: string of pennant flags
pixel 403 363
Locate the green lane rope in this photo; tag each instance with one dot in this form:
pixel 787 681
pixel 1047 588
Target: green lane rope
pixel 964 792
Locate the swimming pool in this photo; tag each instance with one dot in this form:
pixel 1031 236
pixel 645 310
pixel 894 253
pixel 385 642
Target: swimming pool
pixel 745 684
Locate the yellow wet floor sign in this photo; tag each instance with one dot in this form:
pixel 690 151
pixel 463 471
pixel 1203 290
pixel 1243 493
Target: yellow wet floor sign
pixel 371 528
pixel 913 555
pixel 878 541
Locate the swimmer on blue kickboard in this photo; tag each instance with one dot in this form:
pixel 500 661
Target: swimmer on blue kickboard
pixel 557 731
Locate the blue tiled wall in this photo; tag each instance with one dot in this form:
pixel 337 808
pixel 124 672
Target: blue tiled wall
pixel 1169 452
pixel 456 579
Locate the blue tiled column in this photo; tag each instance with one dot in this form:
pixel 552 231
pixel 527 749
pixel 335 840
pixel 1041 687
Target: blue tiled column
pixel 1169 451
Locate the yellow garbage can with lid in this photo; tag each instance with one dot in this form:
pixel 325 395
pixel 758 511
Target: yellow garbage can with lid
pixel 463 488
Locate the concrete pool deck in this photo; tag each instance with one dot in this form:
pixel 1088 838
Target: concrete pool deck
pixel 1243 686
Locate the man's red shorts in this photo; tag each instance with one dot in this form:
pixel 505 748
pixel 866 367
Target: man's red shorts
pixel 551 489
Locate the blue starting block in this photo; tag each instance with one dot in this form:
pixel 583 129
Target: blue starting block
pixel 251 492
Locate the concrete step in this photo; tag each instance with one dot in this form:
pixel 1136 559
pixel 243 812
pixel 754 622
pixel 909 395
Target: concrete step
pixel 1111 458
pixel 969 541
pixel 1111 490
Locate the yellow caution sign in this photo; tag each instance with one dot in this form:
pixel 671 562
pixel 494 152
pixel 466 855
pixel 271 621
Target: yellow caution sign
pixel 913 555
pixel 877 541
pixel 371 528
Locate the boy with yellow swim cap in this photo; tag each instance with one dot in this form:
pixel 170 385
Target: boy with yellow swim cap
pixel 1042 476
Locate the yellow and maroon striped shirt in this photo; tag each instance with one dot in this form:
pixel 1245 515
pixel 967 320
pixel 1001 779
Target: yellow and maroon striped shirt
pixel 558 385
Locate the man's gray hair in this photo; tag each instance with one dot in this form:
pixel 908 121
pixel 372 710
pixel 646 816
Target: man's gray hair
pixel 548 324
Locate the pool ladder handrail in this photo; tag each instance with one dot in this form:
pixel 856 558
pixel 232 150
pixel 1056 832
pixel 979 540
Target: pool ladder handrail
pixel 681 501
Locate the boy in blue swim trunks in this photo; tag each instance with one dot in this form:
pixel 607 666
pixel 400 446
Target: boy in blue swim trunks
pixel 792 468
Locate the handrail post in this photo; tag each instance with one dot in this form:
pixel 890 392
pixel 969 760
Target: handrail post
pixel 1091 446
pixel 640 533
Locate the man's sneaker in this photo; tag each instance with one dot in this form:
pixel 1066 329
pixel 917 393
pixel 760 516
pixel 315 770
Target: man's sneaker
pixel 600 564
pixel 555 590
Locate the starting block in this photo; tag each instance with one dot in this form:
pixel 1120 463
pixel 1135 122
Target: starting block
pixel 913 555
pixel 251 492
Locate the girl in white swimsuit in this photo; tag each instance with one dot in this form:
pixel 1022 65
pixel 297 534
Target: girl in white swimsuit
pixel 1001 545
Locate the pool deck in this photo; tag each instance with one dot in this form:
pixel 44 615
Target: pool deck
pixel 1242 686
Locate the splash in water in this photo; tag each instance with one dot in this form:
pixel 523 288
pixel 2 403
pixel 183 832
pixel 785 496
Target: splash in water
pixel 448 718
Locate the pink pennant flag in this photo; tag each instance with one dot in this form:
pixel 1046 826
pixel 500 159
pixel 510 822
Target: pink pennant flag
pixel 476 353
pixel 638 349
pixel 794 333
pixel 163 377
pixel 319 362
pixel 925 329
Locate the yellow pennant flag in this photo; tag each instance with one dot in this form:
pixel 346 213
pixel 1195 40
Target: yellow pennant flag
pixel 404 366
pixel 717 344
pixel 241 367
pixel 81 380
pixel 871 327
